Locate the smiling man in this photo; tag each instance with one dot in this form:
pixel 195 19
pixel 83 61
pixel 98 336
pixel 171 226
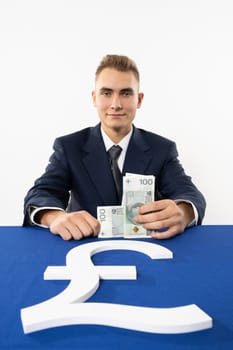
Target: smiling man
pixel 80 175
pixel 116 98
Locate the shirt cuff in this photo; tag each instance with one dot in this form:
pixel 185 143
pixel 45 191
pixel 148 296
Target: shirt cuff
pixel 195 220
pixel 35 210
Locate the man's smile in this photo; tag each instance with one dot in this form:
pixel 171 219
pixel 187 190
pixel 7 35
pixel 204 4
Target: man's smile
pixel 116 115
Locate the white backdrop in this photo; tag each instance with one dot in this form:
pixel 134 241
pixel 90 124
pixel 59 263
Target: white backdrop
pixel 49 50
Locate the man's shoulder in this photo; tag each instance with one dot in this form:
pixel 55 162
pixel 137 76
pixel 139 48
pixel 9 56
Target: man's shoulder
pixel 152 137
pixel 79 136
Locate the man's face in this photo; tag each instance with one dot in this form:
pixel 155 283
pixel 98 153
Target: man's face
pixel 116 98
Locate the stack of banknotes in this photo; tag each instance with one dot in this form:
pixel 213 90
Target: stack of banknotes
pixel 118 221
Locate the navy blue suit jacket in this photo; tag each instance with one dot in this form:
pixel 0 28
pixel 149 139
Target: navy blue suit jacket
pixel 78 176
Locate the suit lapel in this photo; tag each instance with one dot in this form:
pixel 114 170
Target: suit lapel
pixel 97 165
pixel 138 155
pixel 137 159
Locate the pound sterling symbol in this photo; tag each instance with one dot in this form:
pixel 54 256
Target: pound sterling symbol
pixel 68 307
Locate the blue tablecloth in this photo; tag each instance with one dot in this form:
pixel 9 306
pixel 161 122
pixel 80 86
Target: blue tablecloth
pixel 200 273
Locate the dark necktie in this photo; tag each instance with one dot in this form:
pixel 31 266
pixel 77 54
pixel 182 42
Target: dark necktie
pixel 114 154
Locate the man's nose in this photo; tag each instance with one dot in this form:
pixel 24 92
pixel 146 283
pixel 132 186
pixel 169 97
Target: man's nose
pixel 116 102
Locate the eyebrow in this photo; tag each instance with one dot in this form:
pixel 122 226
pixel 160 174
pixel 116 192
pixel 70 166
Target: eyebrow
pixel 122 90
pixel 127 90
pixel 105 89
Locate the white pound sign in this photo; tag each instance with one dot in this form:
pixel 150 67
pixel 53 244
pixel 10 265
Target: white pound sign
pixel 68 307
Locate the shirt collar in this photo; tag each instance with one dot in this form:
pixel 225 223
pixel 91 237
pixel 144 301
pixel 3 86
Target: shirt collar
pixel 123 143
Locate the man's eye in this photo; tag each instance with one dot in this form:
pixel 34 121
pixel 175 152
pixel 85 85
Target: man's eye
pixel 126 93
pixel 106 93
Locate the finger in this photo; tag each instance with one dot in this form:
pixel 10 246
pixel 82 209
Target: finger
pixel 75 231
pixel 153 206
pixel 161 224
pixel 92 223
pixel 152 217
pixel 78 226
pixel 64 233
pixel 83 223
pixel 96 227
pixel 66 229
pixel 84 228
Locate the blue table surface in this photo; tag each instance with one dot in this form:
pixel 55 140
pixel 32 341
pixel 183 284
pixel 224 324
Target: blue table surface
pixel 200 273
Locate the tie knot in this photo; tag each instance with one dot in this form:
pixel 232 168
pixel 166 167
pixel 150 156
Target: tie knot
pixel 114 152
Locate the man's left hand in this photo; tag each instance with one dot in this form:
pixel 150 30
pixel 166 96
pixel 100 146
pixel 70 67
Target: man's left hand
pixel 166 216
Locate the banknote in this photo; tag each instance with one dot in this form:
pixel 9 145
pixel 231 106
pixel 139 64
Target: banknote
pixel 111 219
pixel 138 190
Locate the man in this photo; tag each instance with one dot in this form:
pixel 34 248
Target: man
pixel 79 177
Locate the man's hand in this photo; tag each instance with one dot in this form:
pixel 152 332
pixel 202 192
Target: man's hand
pixel 165 215
pixel 75 225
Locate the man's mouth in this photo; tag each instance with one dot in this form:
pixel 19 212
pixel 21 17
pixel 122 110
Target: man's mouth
pixel 116 115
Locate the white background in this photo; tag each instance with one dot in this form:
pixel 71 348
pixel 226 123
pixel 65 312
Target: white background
pixel 49 51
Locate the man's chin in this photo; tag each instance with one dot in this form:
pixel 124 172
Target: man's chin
pixel 117 126
pixel 120 128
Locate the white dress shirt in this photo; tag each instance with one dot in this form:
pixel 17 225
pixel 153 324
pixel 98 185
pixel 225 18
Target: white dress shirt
pixel 123 144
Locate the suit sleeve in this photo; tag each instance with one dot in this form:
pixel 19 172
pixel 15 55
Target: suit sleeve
pixel 52 188
pixel 175 184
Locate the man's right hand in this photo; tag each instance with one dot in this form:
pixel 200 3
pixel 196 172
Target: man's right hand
pixel 74 225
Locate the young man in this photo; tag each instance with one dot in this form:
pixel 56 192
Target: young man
pixel 79 178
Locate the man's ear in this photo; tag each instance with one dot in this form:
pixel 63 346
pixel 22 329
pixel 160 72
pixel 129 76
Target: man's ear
pixel 140 98
pixel 93 94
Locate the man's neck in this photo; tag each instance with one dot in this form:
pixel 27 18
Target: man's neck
pixel 116 135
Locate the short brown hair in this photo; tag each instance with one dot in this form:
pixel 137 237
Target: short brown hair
pixel 118 62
